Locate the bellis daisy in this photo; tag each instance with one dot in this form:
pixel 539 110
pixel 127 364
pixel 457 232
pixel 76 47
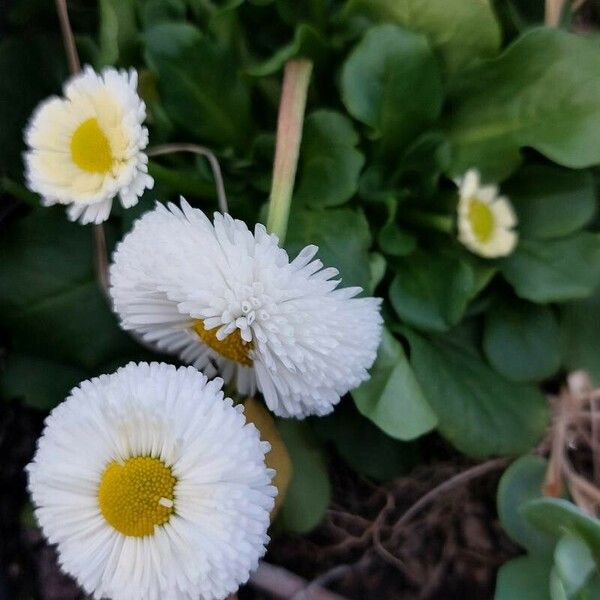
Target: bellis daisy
pixel 153 486
pixel 220 295
pixel 485 219
pixel 86 148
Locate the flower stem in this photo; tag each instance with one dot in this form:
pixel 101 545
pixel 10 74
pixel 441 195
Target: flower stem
pixel 99 237
pixel 202 151
pixel 289 133
pixel 442 223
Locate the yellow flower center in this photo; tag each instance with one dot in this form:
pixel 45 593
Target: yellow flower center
pixel 90 148
pixel 482 219
pixel 136 495
pixel 232 347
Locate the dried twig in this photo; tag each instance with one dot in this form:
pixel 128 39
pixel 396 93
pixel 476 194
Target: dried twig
pixel 280 583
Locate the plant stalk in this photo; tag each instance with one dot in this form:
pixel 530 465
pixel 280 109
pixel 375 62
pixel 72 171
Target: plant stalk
pixel 99 237
pixel 296 79
pixel 441 223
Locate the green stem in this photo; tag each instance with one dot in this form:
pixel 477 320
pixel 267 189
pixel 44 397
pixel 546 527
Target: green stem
pixel 289 133
pixel 185 183
pixel 18 191
pixel 442 223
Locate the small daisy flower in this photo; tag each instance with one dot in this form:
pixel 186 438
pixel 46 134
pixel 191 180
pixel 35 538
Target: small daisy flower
pixel 485 219
pixel 153 486
pixel 87 148
pixel 222 296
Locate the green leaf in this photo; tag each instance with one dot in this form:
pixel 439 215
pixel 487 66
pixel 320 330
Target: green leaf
pixel 555 516
pixel 49 298
pixel 521 482
pixel 377 266
pixel 393 240
pixel 307 43
pixel 554 270
pixel 378 455
pixel 154 12
pixel 462 31
pixel 309 492
pixel 392 398
pixel 524 578
pixel 541 92
pixel 343 237
pixel 522 340
pixel 330 164
pixel 551 202
pixel 118 31
pixel 431 290
pixel 199 84
pixel 573 562
pixel 388 69
pixel 478 411
pixel 580 328
pixel 40 382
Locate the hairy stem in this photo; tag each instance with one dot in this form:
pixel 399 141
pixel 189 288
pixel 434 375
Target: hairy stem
pixel 202 151
pixel 289 133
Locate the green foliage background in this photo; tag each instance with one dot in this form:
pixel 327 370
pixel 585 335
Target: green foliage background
pixel 406 95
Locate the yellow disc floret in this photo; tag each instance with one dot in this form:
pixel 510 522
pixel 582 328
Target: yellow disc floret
pixel 90 148
pixel 137 495
pixel 232 347
pixel 482 219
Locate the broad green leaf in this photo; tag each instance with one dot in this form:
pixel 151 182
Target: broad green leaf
pixel 431 290
pixel 307 43
pixel 556 516
pixel 580 328
pixel 557 586
pixel 521 482
pixel 522 340
pixel 343 237
pixel 330 163
pixel 199 84
pixel 524 578
pixel 391 82
pixel 40 382
pixel 551 202
pixel 573 562
pixel 49 298
pixel 478 411
pixel 377 455
pixel 392 398
pixel 554 270
pixel 463 31
pixel 309 491
pixel 118 31
pixel 541 92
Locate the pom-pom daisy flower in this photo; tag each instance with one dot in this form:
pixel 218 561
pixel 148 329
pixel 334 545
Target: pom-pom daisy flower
pixel 485 219
pixel 87 148
pixel 223 296
pixel 153 486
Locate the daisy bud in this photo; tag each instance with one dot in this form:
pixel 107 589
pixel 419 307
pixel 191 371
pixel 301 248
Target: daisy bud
pixel 87 148
pixel 220 294
pixel 485 219
pixel 153 486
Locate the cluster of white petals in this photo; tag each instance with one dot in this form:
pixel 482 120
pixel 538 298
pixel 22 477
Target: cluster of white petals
pixel 87 148
pixel 220 505
pixel 222 295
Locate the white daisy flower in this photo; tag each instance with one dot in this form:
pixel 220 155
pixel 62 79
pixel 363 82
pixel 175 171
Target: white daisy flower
pixel 153 486
pixel 485 219
pixel 86 148
pixel 220 295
